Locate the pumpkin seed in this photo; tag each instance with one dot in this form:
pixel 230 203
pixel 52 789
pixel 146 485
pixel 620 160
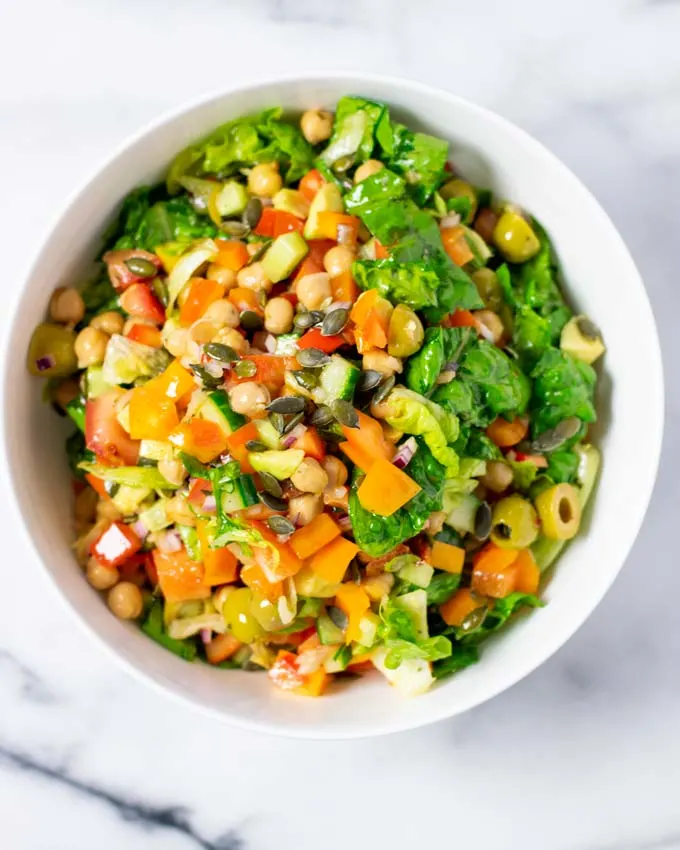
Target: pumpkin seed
pixel 322 416
pixel 384 389
pixel 474 620
pixel 588 329
pixel 252 213
pixel 345 413
pixel 317 315
pixel 270 484
pixel 334 321
pixel 553 438
pixel 207 379
pixel 483 521
pixel 287 404
pixel 223 353
pixel 292 423
pixel 278 422
pixel 273 502
pixel 245 369
pixel 368 380
pixel 280 525
pixel 251 321
pixel 256 446
pixel 160 289
pixel 259 253
pixel 239 229
pixel 141 267
pixel 311 358
pixel 303 321
pixel 338 616
pixel 308 380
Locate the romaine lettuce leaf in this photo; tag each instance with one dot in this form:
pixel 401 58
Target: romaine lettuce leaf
pixel 419 158
pixel 356 122
pixel 413 284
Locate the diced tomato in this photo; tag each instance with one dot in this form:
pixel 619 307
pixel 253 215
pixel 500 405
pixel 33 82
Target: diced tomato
pixel 460 319
pixel 104 435
pixel 311 444
pixel 138 300
pixel 274 223
pixel 97 485
pixel 236 444
pixel 253 577
pixel 145 334
pixel 118 543
pixel 311 183
pixel 120 275
pixel 538 460
pixel 199 490
pixel 284 672
pixel 271 370
pixel 231 254
pixel 315 339
pixel 313 262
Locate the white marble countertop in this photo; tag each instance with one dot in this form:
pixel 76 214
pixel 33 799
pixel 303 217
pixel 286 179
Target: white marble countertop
pixel 584 753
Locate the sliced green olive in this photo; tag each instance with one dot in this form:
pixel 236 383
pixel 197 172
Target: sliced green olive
pixel 514 524
pixel 488 288
pixel 237 612
pixel 457 188
pixel 559 509
pixel 582 339
pixel 51 352
pixel 514 237
pixel 405 334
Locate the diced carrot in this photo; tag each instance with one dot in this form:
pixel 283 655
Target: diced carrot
pixel 505 434
pixel 220 565
pixel 311 444
pixel 245 299
pixel 231 254
pixel 494 571
pixel 368 438
pixel 344 288
pixel 528 573
pixel 199 438
pixel 221 648
pixel 315 339
pixel 253 577
pixel 456 245
pixel 354 601
pixel 179 577
pixel 446 557
pixel 332 560
pixel 386 488
pixel 311 183
pixel 455 610
pixel 97 485
pixel 145 334
pixel 309 539
pixel 201 294
pixel 116 545
pixel 340 227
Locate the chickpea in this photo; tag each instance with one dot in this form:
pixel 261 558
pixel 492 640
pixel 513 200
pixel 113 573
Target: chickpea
pixel 303 509
pixel 231 337
pixel 310 476
pixel 313 289
pixel 99 576
pixel 85 505
pixel 176 341
pixel 493 324
pixel 253 277
pixel 126 601
pixel 381 409
pixel 67 306
pixel 264 179
pixel 338 260
pixel 106 509
pixel 249 398
pixel 177 509
pixel 202 332
pixel 335 470
pixel 222 312
pixel 381 362
pixel 65 392
pixel 316 125
pixel 253 247
pixel 368 169
pixel 222 275
pixel 111 322
pixel 436 522
pixel 173 471
pixel 498 476
pixel 278 316
pixel 90 347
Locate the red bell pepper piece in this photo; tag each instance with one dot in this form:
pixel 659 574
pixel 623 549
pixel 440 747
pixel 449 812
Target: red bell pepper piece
pixel 116 545
pixel 138 300
pixel 315 339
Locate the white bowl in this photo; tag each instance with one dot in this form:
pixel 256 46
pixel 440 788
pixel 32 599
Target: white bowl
pixel 601 279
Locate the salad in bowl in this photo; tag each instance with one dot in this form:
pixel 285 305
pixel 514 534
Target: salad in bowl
pixel 331 404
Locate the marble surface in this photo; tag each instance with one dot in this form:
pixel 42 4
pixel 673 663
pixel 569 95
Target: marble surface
pixel 583 754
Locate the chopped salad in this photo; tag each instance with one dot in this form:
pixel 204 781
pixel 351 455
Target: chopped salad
pixel 332 407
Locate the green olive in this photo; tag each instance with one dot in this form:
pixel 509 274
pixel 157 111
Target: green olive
pixel 461 189
pixel 265 612
pixel 238 615
pixel 405 334
pixel 514 524
pixel 559 508
pixel 489 288
pixel 52 344
pixel 515 238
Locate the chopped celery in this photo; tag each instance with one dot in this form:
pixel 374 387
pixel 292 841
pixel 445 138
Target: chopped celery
pixel 130 476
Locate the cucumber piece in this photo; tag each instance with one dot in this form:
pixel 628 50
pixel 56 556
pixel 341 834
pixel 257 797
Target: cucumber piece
pixel 339 660
pixel 419 574
pixel 216 408
pixel 283 255
pixel 128 499
pixel 156 450
pixel 76 410
pixel 327 199
pixel 368 629
pixel 95 384
pixel 232 199
pixel 287 345
pixel 415 604
pixel 239 493
pixel 463 512
pixel 280 464
pixel 268 434
pixel 291 201
pixel 155 518
pixel 328 632
pixel 339 377
pixel 411 678
pixel 190 539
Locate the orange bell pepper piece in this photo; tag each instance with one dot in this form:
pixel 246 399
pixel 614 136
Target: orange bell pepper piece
pixel 236 443
pixel 145 334
pixel 368 439
pixel 179 577
pixel 220 565
pixel 245 299
pixel 354 601
pixel 311 183
pixel 528 573
pixel 344 288
pixel 201 294
pixel 199 438
pixel 386 488
pixel 153 416
pixel 381 252
pixel 311 444
pixel 494 572
pixel 505 434
pixel 340 227
pixel 221 647
pixel 332 561
pixel 447 557
pixel 231 254
pixel 315 684
pixel 359 457
pixel 456 245
pixel 253 577
pixel 97 485
pixel 175 382
pixel 459 606
pixel 314 536
pixel 289 563
pixel 363 306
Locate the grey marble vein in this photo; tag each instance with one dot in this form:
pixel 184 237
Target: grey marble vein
pixel 31 685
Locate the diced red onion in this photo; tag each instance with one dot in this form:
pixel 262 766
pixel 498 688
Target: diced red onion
pixel 345 523
pixel 452 220
pixel 209 504
pixel 293 436
pixel 511 455
pixel 485 332
pixel 46 362
pixel 206 636
pixel 169 542
pixel 405 453
pixel 140 529
pixel 345 234
pixel 212 367
pixel 270 343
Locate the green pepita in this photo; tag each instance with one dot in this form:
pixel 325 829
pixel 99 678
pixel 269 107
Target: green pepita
pixel 141 267
pixel 207 379
pixel 368 380
pixel 245 369
pixel 223 353
pixel 273 502
pixel 280 525
pixel 321 417
pixel 553 438
pixel 292 423
pixel 256 446
pixel 303 321
pixel 287 404
pixel 270 484
pixel 252 213
pixel 345 414
pixel 334 321
pixel 384 389
pixel 251 321
pixel 312 358
pixel 307 380
pixel 239 229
